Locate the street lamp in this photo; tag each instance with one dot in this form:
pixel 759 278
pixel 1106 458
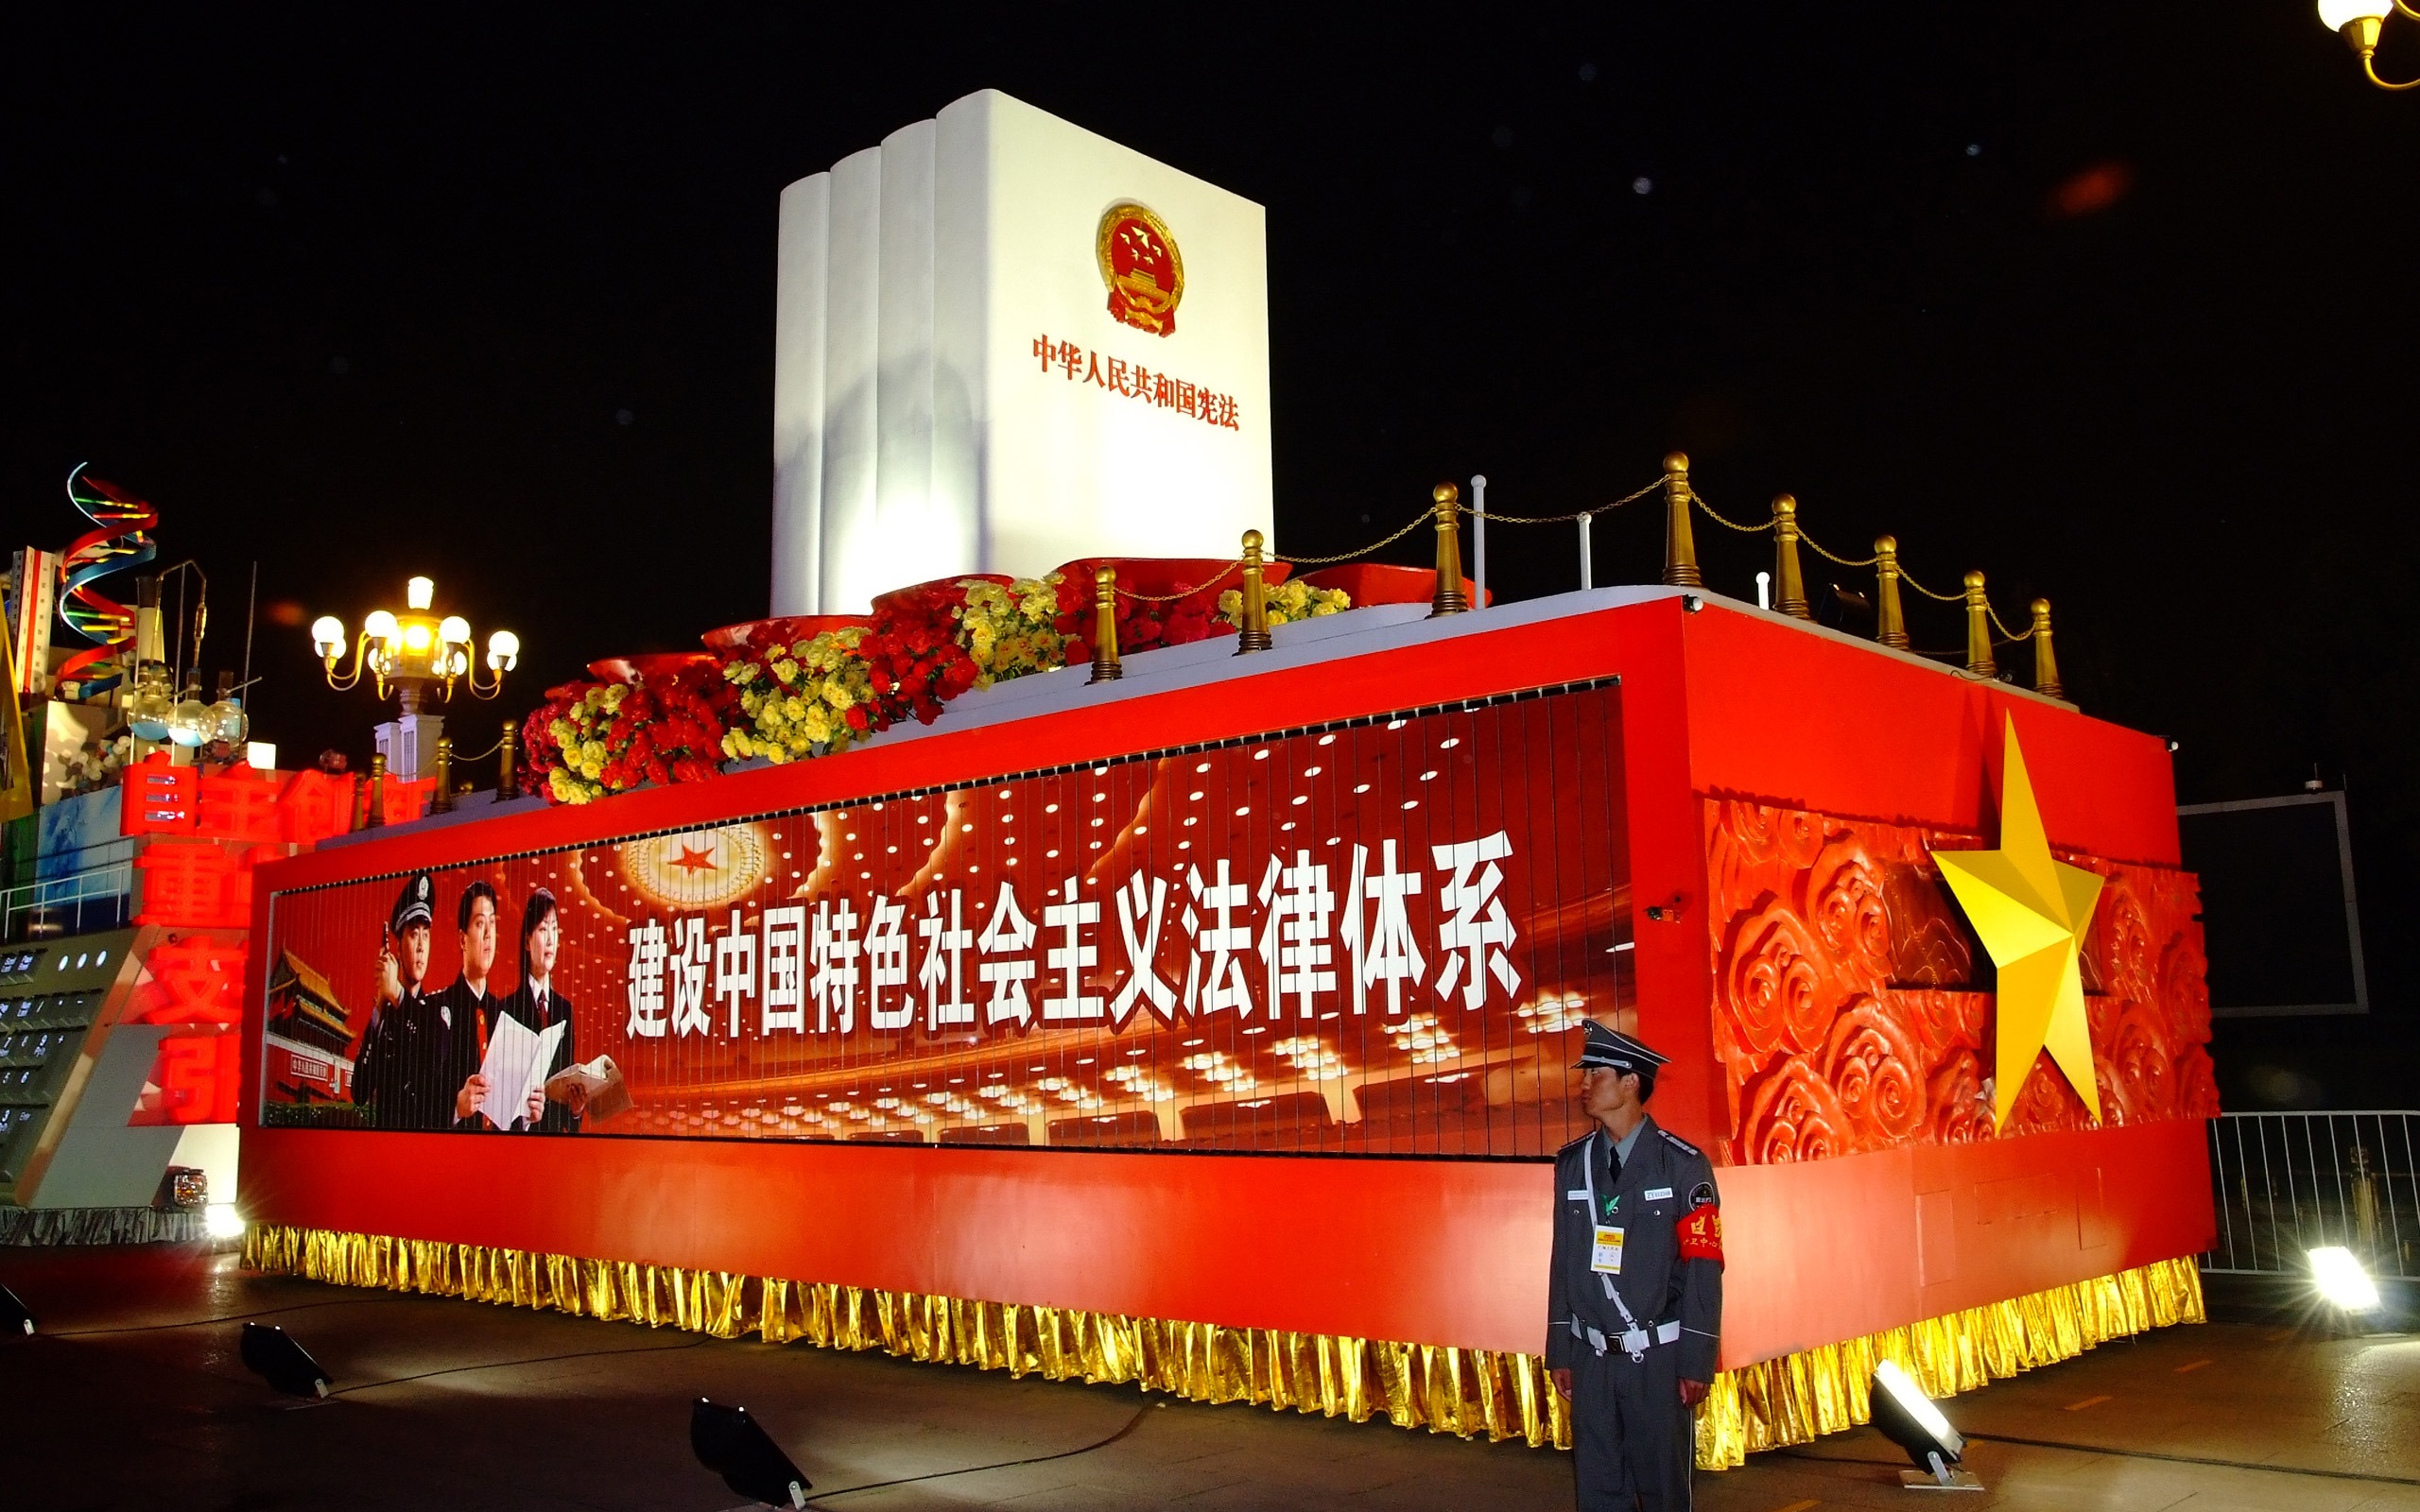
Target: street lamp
pixel 413 653
pixel 413 650
pixel 2359 20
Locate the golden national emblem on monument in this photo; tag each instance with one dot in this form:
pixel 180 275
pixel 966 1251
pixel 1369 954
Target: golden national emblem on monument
pixel 1140 264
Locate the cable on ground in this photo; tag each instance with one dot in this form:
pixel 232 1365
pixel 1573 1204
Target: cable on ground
pixel 1132 1423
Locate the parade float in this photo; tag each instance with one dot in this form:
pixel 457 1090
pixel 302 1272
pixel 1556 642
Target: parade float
pixel 1166 968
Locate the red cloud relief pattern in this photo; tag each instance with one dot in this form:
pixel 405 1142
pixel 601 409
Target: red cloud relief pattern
pixel 1847 1014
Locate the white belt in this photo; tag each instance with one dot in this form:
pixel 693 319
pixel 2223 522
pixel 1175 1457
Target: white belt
pixel 1635 1340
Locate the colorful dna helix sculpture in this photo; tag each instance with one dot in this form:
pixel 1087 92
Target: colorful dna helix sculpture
pixel 120 539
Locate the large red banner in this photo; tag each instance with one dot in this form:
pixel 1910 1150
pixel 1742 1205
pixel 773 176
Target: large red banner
pixel 1368 938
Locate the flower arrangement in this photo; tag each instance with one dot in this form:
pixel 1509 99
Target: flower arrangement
pixel 1144 624
pixel 1286 603
pixel 916 663
pixel 812 697
pixel 805 700
pixel 1015 630
pixel 539 752
pixel 603 738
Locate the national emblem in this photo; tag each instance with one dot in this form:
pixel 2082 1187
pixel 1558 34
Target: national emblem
pixel 1140 264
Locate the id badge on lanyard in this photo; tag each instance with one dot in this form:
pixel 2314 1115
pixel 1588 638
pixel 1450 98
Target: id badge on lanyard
pixel 1605 1252
pixel 1605 1255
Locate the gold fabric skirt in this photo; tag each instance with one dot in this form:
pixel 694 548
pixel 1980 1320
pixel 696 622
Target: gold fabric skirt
pixel 1446 1390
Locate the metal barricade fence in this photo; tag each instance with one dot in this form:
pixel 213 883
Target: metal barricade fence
pixel 2287 1183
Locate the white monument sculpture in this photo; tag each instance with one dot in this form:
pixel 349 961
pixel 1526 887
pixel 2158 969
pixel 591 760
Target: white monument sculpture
pixel 1002 343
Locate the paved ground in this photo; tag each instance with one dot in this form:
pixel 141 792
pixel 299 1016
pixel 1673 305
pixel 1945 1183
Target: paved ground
pixel 133 1396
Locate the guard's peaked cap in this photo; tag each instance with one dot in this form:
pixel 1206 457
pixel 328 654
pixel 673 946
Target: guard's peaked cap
pixel 1611 1047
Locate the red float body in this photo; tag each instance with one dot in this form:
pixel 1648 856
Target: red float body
pixel 1728 719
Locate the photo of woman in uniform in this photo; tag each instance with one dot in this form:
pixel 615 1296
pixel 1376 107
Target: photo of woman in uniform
pixel 536 1005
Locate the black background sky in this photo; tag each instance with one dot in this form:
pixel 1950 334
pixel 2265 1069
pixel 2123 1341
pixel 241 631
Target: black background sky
pixel 358 295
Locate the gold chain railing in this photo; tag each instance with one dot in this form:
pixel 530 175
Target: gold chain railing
pixel 1682 499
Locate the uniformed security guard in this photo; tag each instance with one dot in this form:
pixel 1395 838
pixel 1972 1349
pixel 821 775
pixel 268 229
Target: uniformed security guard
pixel 1634 1302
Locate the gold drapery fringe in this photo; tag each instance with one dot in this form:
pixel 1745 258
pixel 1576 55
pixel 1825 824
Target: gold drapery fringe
pixel 1795 1398
pixel 1444 1389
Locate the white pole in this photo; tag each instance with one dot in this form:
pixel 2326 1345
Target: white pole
pixel 1479 540
pixel 1587 559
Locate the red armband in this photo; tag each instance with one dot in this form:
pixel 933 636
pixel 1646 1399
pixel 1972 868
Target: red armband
pixel 1700 1234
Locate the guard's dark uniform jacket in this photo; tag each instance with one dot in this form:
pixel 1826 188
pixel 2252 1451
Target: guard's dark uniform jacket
pixel 1630 1345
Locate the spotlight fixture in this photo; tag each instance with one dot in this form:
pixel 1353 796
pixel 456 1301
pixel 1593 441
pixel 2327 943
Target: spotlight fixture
pixel 2341 1280
pixel 281 1362
pixel 1691 603
pixel 15 1317
pixel 733 1445
pixel 1908 1418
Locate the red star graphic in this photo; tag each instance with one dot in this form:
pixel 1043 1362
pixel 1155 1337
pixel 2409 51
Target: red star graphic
pixel 689 860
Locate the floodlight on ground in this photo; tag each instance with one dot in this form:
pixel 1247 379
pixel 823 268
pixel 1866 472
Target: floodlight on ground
pixel 2342 1281
pixel 1908 1418
pixel 15 1317
pixel 223 1221
pixel 281 1362
pixel 733 1445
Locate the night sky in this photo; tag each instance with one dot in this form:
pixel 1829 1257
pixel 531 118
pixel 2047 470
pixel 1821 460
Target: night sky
pixel 2114 303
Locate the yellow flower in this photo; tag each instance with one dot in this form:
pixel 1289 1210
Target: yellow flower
pixel 836 695
pixel 785 670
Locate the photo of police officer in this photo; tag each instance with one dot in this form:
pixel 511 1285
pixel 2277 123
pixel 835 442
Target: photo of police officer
pixel 536 1005
pixel 467 1006
pixel 396 1077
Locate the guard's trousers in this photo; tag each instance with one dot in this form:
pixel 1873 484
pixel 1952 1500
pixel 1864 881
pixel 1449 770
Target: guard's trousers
pixel 1630 1433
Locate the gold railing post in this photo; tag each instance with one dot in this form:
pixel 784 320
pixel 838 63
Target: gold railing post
pixel 442 802
pixel 1789 584
pixel 1978 629
pixel 1679 541
pixel 1890 624
pixel 504 772
pixel 1255 634
pixel 1105 663
pixel 1451 599
pixel 378 815
pixel 2046 661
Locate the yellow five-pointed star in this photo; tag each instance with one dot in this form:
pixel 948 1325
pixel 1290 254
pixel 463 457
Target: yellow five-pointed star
pixel 2031 911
